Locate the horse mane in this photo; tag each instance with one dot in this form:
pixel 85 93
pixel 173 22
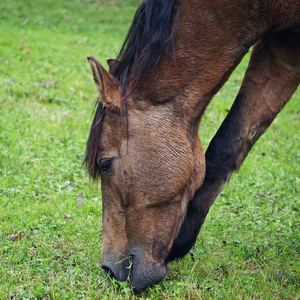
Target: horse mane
pixel 151 32
pixel 92 146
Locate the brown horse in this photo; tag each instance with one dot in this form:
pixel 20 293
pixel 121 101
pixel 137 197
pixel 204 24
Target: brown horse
pixel 157 185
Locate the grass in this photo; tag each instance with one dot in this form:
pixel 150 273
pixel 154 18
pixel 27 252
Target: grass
pixel 249 246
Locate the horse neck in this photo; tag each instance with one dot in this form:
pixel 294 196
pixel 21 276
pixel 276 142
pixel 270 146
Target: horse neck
pixel 209 44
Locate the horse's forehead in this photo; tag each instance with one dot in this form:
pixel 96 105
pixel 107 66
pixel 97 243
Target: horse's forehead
pixel 110 128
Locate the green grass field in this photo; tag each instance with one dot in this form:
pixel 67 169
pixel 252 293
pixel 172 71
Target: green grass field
pixel 249 247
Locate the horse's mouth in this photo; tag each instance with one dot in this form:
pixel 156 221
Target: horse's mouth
pixel 139 273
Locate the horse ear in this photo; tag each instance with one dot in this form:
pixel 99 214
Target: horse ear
pixel 106 84
pixel 113 64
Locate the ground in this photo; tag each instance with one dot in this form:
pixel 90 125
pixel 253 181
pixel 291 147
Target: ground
pixel 249 245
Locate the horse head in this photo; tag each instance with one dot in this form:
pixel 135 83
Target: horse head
pixel 150 162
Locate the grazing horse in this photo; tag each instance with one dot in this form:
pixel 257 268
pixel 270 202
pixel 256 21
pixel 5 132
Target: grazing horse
pixel 157 184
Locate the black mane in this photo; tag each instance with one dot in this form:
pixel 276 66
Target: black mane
pixel 148 35
pixel 92 145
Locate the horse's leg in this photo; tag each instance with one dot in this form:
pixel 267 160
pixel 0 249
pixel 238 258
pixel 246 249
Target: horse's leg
pixel 272 76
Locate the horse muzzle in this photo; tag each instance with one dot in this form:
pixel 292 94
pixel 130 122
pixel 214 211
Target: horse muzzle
pixel 140 273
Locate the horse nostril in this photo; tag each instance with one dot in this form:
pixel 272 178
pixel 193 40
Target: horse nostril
pixel 118 271
pixel 108 270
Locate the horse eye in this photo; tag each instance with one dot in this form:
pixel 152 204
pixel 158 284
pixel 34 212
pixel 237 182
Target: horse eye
pixel 105 164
